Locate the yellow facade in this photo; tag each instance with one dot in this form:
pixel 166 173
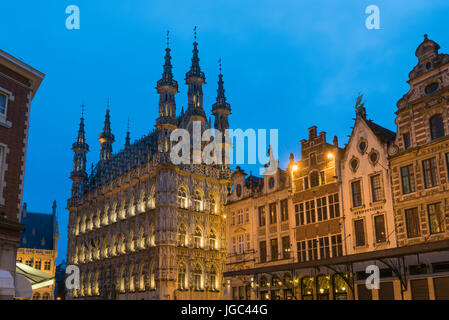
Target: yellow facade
pixel 42 260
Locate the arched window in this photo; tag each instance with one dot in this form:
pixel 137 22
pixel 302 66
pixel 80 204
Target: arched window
pixel 141 277
pixel 152 199
pixel 314 179
pixel 213 279
pixel 182 198
pixel 212 205
pixel 141 206
pixel 105 247
pixel 141 239
pixel 197 238
pixel 152 277
pixel 263 282
pixel 197 201
pixel 197 273
pixel 122 279
pixel 46 296
pixel 436 127
pixel 131 278
pixel 275 281
pixel 213 241
pixel 322 286
pixel 182 236
pixel 340 287
pixel 36 296
pixel 182 277
pixel 97 283
pixel 151 237
pixel 307 288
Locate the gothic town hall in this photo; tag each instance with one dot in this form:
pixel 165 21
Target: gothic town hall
pixel 141 227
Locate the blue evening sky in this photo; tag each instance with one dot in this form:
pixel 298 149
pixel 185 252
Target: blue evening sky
pixel 286 65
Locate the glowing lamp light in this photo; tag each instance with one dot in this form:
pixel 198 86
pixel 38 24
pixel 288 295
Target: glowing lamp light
pixel 295 167
pixel 330 155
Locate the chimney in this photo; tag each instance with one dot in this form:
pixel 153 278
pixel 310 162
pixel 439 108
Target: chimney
pixel 312 132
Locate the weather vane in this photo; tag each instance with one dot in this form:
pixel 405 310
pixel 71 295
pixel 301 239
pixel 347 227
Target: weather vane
pixel 82 111
pixel 168 38
pixel 194 30
pixel 219 64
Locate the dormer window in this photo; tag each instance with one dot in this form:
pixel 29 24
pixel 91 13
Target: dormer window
pixel 431 88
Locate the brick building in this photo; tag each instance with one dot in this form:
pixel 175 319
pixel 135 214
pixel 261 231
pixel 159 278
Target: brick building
pixel 18 85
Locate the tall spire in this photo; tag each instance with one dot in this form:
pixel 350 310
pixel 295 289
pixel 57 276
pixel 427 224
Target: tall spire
pixel 80 148
pixel 167 75
pixel 127 140
pixel 221 98
pixel 106 138
pixel 195 70
pixel 167 87
pixel 195 79
pixel 221 111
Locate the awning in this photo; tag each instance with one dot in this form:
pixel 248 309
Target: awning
pixel 37 278
pixel 23 287
pixel 6 284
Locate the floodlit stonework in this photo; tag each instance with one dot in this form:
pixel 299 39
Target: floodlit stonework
pixel 141 227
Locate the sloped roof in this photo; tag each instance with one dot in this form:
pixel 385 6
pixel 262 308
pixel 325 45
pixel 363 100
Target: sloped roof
pixel 39 231
pixel 382 133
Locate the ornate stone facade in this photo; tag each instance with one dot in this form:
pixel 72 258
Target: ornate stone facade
pixel 141 227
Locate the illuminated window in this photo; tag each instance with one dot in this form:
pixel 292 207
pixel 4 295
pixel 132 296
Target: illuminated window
pixel 182 236
pixel 213 205
pixel 38 264
pixel 212 240
pixel 213 279
pixel 182 277
pixel 197 237
pixel 379 228
pixel 182 198
pixel 286 247
pixel 197 273
pixel 197 201
pixel 435 217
